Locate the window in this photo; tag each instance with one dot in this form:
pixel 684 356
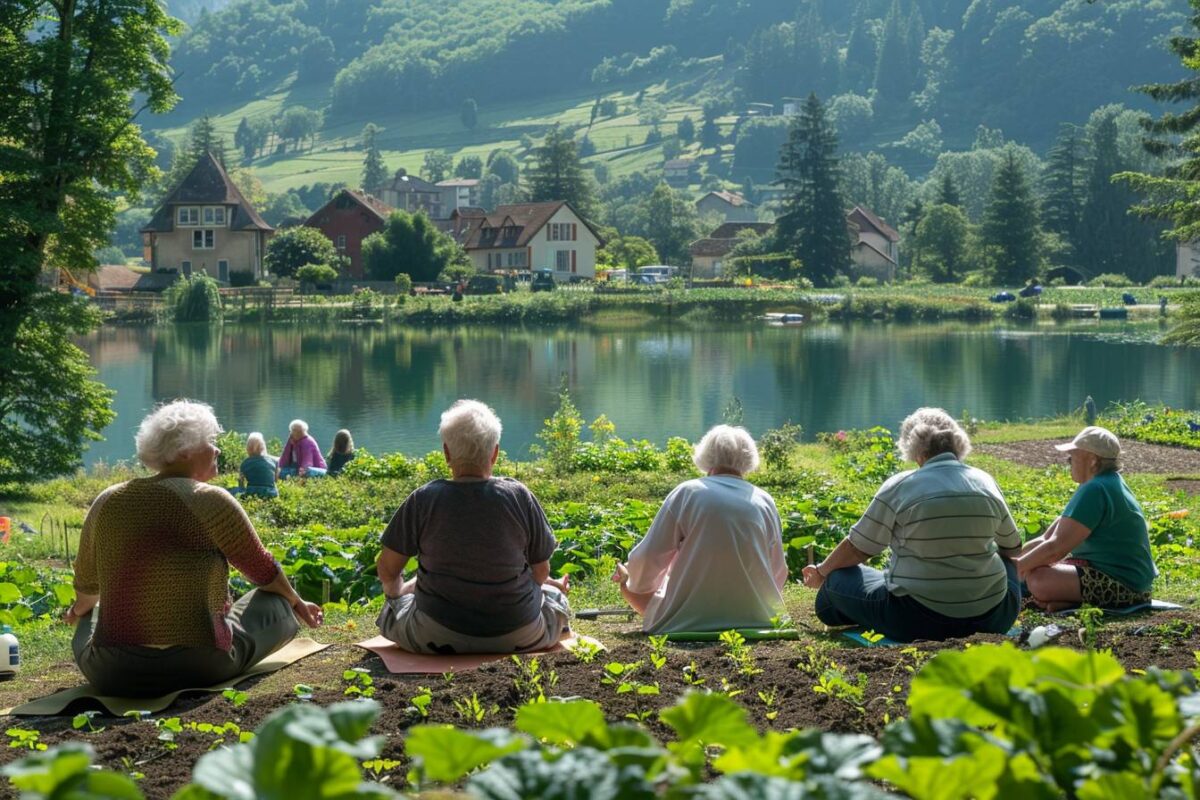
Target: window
pixel 208 215
pixel 516 259
pixel 562 260
pixel 223 270
pixel 189 215
pixel 203 240
pixel 341 241
pixel 214 215
pixel 187 268
pixel 560 232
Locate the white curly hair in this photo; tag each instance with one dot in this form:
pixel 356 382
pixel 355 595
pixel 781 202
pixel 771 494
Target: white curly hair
pixel 173 429
pixel 726 448
pixel 470 430
pixel 929 432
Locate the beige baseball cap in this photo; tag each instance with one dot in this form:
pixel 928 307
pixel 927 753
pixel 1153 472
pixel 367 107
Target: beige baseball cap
pixel 1094 439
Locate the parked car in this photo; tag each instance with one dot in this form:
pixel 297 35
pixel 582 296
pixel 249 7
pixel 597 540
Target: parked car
pixel 660 273
pixel 543 281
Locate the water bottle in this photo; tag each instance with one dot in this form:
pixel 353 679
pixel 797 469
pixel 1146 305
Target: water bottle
pixel 10 651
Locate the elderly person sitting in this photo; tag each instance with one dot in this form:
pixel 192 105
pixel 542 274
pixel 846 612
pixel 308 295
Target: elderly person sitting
pixel 713 557
pixel 483 549
pixel 257 470
pixel 1102 530
pixel 301 456
pixel 951 537
pixel 153 607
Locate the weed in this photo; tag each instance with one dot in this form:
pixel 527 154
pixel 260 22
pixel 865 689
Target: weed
pixel 168 729
pixel 529 678
pixel 740 653
pixel 418 704
pixel 470 709
pixel 767 698
pixel 691 675
pixel 729 689
pixel 84 720
pixel 238 699
pixel 585 650
pixel 834 683
pixel 303 692
pixel 220 731
pixel 128 766
pixel 448 678
pixel 658 651
pixel 25 738
pixel 361 684
pixel 377 766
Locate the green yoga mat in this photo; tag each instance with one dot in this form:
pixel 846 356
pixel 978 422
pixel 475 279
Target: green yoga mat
pixel 749 634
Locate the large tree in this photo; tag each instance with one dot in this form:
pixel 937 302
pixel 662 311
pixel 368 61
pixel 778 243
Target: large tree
pixel 670 223
pixel 69 73
pixel 296 247
pixel 557 174
pixel 375 172
pixel 941 244
pixel 812 224
pixel 411 244
pixel 1063 190
pixel 1011 231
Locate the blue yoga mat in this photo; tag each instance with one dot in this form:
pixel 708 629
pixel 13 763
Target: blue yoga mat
pixel 1153 605
pixel 856 636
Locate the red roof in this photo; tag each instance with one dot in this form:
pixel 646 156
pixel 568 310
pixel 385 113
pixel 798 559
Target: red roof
pixel 512 226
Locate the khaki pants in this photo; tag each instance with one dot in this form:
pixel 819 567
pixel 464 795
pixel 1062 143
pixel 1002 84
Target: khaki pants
pixel 262 623
pixel 417 632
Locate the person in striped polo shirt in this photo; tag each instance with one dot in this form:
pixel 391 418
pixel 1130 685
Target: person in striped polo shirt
pixel 952 542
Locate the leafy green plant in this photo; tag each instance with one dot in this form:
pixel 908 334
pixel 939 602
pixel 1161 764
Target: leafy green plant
pixel 25 738
pixel 529 680
pixel 418 704
pixel 358 682
pixel 586 650
pixel 658 651
pixel 86 720
pixel 777 444
pixel 691 675
pixel 303 692
pixel 739 652
pixel 834 683
pixel 236 698
pixel 66 772
pixel 194 299
pixel 469 709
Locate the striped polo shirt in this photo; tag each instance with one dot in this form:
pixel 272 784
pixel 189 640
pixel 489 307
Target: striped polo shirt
pixel 944 523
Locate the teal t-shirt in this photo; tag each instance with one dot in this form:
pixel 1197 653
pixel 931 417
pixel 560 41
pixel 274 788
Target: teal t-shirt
pixel 1119 543
pixel 259 471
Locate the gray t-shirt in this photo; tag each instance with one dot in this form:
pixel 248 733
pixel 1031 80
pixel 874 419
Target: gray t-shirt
pixel 474 542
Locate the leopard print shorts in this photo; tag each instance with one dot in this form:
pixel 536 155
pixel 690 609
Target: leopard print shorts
pixel 1105 591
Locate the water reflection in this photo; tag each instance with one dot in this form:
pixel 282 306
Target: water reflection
pixel 388 385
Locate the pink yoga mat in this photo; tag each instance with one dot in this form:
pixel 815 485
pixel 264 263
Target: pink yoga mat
pixel 402 662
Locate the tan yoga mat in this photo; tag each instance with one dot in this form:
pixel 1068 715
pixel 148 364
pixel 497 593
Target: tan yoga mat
pixel 402 662
pixel 59 701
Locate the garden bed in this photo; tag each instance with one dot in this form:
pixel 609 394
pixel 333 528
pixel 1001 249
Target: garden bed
pixel 1135 456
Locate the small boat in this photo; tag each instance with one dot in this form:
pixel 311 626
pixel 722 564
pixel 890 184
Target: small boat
pixel 783 319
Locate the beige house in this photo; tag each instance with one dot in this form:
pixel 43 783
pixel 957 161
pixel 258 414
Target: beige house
pixel 459 193
pixel 206 224
pixel 1187 259
pixel 679 172
pixel 730 206
pixel 529 236
pixel 709 254
pixel 412 194
pixel 876 249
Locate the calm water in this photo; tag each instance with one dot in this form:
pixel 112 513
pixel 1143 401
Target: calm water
pixel 389 385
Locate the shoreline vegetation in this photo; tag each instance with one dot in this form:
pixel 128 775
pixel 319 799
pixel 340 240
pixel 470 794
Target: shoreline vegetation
pixel 901 303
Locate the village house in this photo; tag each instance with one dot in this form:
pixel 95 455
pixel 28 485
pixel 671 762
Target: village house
pixel 529 236
pixel 348 218
pixel 679 172
pixel 709 254
pixel 409 193
pixel 459 193
pixel 1187 259
pixel 730 206
pixel 876 249
pixel 206 224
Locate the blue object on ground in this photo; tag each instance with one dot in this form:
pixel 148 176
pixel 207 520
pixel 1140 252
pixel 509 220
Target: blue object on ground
pixel 1194 427
pixel 1153 605
pixel 856 635
pixel 1128 299
pixel 1003 297
pixel 1032 290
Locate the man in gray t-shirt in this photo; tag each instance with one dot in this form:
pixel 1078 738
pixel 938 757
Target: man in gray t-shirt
pixel 483 548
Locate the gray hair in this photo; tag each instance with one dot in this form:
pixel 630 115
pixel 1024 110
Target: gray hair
pixel 929 432
pixel 173 429
pixel 726 448
pixel 298 425
pixel 255 444
pixel 1107 465
pixel 471 431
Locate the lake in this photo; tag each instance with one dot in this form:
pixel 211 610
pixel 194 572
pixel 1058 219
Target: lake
pixel 389 384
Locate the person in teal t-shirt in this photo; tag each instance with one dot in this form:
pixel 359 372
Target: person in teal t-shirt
pixel 1098 551
pixel 257 471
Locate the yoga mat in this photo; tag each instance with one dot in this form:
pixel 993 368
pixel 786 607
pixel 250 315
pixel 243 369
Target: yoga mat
pixel 116 706
pixel 402 662
pixel 1153 605
pixel 856 635
pixel 749 634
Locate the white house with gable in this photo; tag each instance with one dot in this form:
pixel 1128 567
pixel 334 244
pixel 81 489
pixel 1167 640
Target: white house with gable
pixel 529 236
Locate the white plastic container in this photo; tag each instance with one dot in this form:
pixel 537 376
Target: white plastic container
pixel 10 651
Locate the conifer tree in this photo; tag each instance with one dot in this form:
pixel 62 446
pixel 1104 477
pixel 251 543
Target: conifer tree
pixel 1062 190
pixel 557 174
pixel 948 192
pixel 205 139
pixel 375 172
pixel 1011 234
pixel 813 222
pixel 244 139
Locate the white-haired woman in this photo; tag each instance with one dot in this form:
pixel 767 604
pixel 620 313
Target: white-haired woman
pixel 1098 551
pixel 301 455
pixel 483 549
pixel 952 539
pixel 153 608
pixel 257 470
pixel 713 557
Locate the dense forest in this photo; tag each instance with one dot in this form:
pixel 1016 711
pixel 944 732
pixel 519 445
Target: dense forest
pixel 1019 66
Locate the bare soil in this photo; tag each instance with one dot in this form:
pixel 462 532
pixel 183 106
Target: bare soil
pixel 1167 640
pixel 1191 487
pixel 1136 456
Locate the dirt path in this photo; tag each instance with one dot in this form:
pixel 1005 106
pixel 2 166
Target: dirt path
pixel 1137 456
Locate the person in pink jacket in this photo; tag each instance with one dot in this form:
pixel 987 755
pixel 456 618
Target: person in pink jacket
pixel 301 455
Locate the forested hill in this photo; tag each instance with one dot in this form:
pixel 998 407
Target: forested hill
pixel 1022 66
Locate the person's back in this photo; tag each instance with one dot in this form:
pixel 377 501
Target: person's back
pixel 259 471
pixel 719 544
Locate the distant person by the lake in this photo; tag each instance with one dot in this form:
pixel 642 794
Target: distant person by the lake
pixel 713 557
pixel 301 455
pixel 951 537
pixel 257 470
pixel 153 609
pixel 342 452
pixel 483 549
pixel 1098 550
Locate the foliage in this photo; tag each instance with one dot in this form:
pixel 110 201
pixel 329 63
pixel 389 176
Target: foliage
pixel 942 243
pixel 410 244
pixel 293 248
pixel 194 298
pixel 50 406
pixel 776 445
pixel 626 252
pixel 403 282
pixel 1111 280
pixel 334 565
pixel 557 174
pixel 667 218
pixel 375 171
pixel 871 453
pixel 1157 424
pixel 1187 326
pixel 316 274
pixel 1011 234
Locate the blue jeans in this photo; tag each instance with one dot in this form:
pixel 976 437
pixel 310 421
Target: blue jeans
pixel 859 596
pixel 294 472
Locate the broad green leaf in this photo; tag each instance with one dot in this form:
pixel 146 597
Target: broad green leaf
pixel 1113 786
pixel 9 593
pixel 1071 668
pixel 926 778
pixel 748 786
pixel 621 735
pixel 448 754
pixel 42 772
pixel 581 773
pixel 1142 714
pixel 709 719
pixel 947 685
pixel 64 593
pixel 560 723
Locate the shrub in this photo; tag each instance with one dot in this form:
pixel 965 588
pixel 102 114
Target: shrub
pixel 867 282
pixel 485 284
pixel 456 272
pixel 241 277
pixel 194 299
pixel 290 250
pixel 776 445
pixel 1171 281
pixel 403 282
pixel 317 274
pixel 1111 280
pixel 1025 308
